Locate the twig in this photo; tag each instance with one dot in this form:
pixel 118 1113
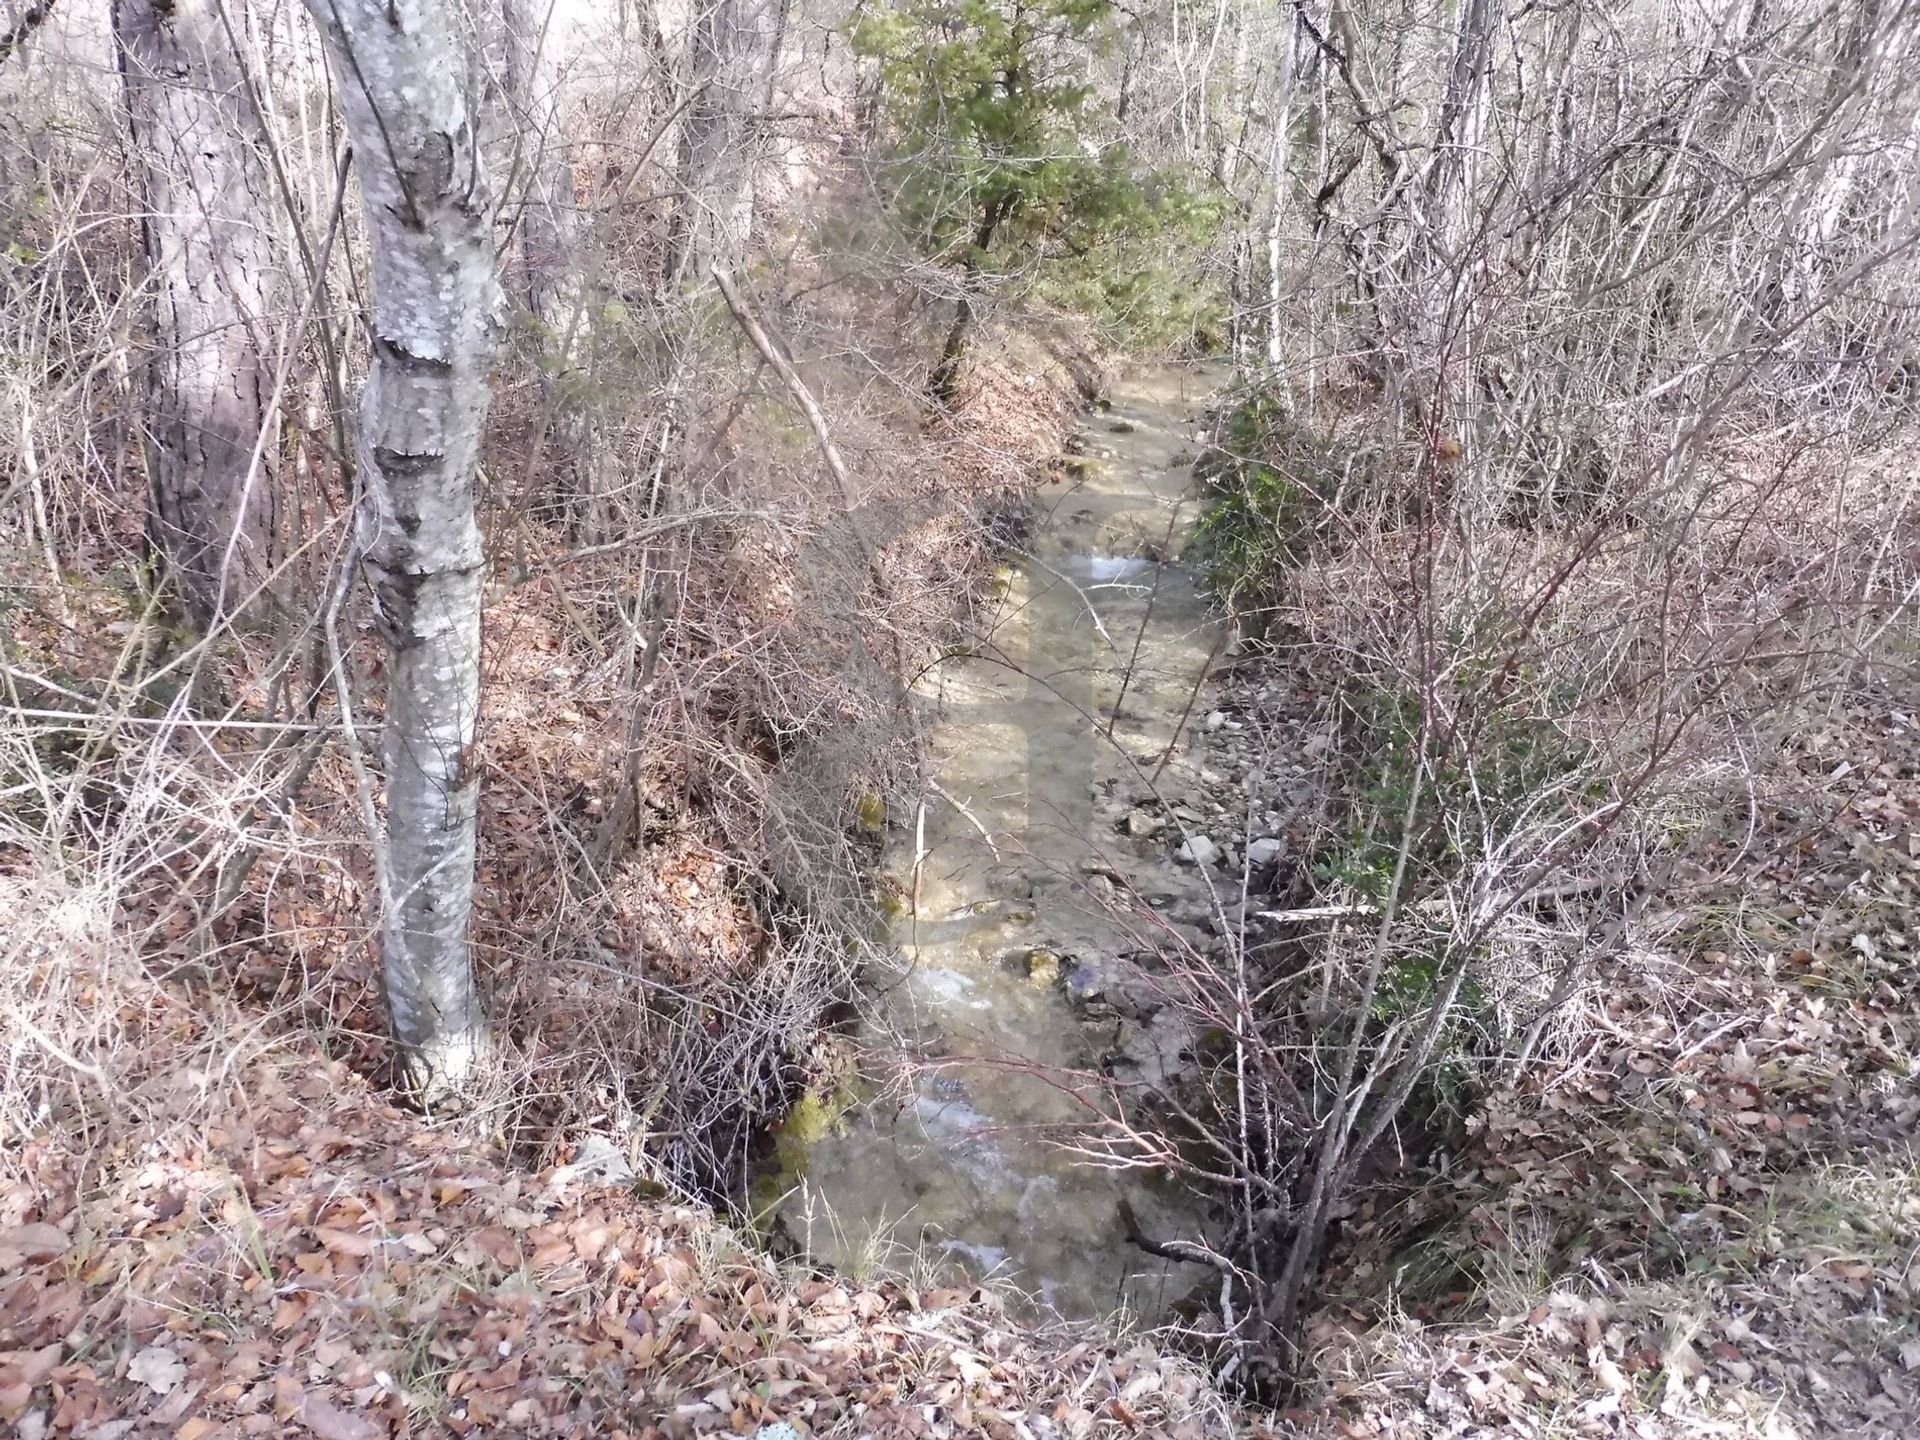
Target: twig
pixel 802 396
pixel 1186 714
pixel 972 819
pixel 836 466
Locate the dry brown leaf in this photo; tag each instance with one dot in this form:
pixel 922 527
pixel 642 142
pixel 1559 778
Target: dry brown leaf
pixel 157 1367
pixel 28 1367
pixel 14 1400
pixel 36 1242
pixel 330 1422
pixel 345 1242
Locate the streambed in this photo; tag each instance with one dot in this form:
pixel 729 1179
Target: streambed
pixel 1038 861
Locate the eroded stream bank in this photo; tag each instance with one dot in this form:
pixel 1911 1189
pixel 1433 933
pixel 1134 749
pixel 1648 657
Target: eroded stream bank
pixel 1036 866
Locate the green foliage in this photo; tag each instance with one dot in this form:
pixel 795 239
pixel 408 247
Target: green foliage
pixel 22 213
pixel 819 1113
pixel 988 100
pixel 1448 786
pixel 994 162
pixel 1147 283
pixel 1268 479
pixel 1507 747
pixel 1409 983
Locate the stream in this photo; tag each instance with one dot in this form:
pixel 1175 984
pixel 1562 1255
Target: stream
pixel 1035 864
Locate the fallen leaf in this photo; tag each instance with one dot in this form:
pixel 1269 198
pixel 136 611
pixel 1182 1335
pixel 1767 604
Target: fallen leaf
pixel 1609 1375
pixel 14 1400
pixel 28 1367
pixel 330 1422
pixel 158 1368
pixel 345 1242
pixel 36 1242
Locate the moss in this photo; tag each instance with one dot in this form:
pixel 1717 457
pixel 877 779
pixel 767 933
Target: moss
pixel 1042 967
pixel 870 810
pixel 819 1114
pixel 813 1118
pixel 1266 479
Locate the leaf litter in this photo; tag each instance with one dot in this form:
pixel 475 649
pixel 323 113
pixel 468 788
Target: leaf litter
pixel 1704 1217
pixel 320 1262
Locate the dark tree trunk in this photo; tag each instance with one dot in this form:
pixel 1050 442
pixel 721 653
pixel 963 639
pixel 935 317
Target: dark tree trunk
pixel 211 421
pixel 548 217
pixel 945 383
pixel 730 65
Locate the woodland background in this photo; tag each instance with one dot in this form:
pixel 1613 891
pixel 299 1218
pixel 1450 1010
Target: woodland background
pixel 1562 505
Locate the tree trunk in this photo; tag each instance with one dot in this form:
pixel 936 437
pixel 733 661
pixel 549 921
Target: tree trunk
pixel 945 382
pixel 548 218
pixel 565 462
pixel 730 61
pixel 211 422
pixel 1278 179
pixel 21 27
pixel 403 79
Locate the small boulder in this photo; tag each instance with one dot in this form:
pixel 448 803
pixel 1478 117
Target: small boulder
pixel 1263 852
pixel 596 1158
pixel 1091 983
pixel 1141 823
pixel 1215 719
pixel 1197 850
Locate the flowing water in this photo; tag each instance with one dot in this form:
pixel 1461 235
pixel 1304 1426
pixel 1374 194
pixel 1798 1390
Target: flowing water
pixel 1024 893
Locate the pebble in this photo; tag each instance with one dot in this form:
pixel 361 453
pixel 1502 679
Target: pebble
pixel 1215 719
pixel 1263 852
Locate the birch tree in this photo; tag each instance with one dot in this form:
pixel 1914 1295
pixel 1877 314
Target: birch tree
pixel 405 85
pixel 210 422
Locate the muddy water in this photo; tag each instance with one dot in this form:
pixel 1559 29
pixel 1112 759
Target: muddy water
pixel 1024 893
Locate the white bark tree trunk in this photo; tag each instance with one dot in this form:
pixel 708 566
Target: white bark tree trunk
pixel 219 294
pixel 1277 168
pixel 405 84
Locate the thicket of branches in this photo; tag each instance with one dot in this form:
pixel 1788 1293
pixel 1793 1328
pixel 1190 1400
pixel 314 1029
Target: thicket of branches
pixel 1575 350
pixel 687 676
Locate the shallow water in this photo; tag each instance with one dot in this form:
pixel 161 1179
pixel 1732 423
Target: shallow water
pixel 960 1156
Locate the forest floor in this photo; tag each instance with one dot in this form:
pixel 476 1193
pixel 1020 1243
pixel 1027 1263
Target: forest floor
pixel 274 1249
pixel 1697 1212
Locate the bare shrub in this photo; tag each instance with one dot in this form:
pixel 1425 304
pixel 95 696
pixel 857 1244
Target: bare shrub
pixel 691 715
pixel 1571 493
